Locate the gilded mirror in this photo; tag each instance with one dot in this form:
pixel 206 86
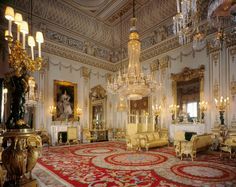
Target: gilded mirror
pixel 187 89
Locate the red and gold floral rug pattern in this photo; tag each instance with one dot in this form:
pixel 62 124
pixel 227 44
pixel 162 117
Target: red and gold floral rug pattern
pixel 109 164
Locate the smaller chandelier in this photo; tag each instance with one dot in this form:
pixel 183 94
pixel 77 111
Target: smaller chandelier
pixel 199 41
pixel 185 19
pixel 132 84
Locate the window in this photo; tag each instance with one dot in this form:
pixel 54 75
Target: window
pixel 192 109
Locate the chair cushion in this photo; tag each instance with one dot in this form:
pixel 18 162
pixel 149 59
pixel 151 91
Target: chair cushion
pixel 150 137
pixel 156 136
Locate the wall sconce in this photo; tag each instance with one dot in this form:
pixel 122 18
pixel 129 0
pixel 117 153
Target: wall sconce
pixel 203 108
pixel 173 110
pixel 52 111
pixel 221 105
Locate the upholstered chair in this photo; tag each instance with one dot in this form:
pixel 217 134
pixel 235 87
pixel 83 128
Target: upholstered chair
pixel 132 143
pixel 189 147
pixel 229 146
pixel 178 137
pixel 87 135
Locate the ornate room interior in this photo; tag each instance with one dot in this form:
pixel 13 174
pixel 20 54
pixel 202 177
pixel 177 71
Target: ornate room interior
pixel 118 93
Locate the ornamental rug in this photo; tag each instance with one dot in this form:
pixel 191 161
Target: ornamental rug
pixel 109 164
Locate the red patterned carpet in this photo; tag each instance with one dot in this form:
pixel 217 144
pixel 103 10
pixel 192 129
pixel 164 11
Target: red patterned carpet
pixel 109 164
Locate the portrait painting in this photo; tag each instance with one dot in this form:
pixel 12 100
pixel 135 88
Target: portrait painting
pixel 65 99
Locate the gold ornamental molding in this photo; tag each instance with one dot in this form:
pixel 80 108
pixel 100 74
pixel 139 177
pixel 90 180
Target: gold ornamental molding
pixel 64 52
pixel 232 51
pixel 216 90
pixel 85 73
pixel 189 74
pixel 154 66
pixel 233 88
pixel 216 56
pixel 164 62
pixel 186 75
pixel 108 77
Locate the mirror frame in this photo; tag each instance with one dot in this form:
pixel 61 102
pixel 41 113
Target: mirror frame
pixel 188 74
pixel 97 96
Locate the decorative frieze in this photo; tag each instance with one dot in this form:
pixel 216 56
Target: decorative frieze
pixel 160 48
pixel 77 56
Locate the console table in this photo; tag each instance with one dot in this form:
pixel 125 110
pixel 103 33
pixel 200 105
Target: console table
pixel 198 128
pixel 56 128
pixel 100 135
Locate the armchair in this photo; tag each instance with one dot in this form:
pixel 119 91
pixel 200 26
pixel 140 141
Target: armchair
pixel 87 135
pixel 72 135
pixel 189 147
pixel 132 143
pixel 229 146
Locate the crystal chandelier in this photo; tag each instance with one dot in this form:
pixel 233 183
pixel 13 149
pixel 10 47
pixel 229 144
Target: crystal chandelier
pixel 19 59
pixel 184 22
pixel 220 17
pixel 132 84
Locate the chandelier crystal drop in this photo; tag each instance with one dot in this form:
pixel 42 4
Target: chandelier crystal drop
pixel 132 84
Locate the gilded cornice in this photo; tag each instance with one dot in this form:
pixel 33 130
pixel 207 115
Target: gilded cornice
pixel 61 51
pixel 189 74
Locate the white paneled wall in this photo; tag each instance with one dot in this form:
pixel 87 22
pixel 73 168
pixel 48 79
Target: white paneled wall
pixel 220 68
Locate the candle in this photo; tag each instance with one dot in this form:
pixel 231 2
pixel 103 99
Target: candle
pixel 23 34
pixel 178 8
pixel 40 40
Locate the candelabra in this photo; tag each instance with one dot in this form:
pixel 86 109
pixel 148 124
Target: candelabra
pixel 20 157
pixel 156 111
pixel 52 111
pixel 173 110
pixel 221 105
pixel 203 108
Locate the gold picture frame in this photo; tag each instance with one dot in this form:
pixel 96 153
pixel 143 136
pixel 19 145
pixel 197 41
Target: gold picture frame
pixel 65 100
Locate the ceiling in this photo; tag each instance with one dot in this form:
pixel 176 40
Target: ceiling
pixel 95 26
pixel 107 11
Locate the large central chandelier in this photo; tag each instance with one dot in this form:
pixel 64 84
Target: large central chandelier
pixel 132 84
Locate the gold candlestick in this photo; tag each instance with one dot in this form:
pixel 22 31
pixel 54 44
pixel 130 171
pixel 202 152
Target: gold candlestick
pixel 173 110
pixel 221 105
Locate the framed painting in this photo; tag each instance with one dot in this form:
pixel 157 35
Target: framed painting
pixel 65 100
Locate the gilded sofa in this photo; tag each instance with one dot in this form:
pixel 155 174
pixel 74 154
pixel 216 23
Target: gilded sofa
pixel 197 143
pixel 153 139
